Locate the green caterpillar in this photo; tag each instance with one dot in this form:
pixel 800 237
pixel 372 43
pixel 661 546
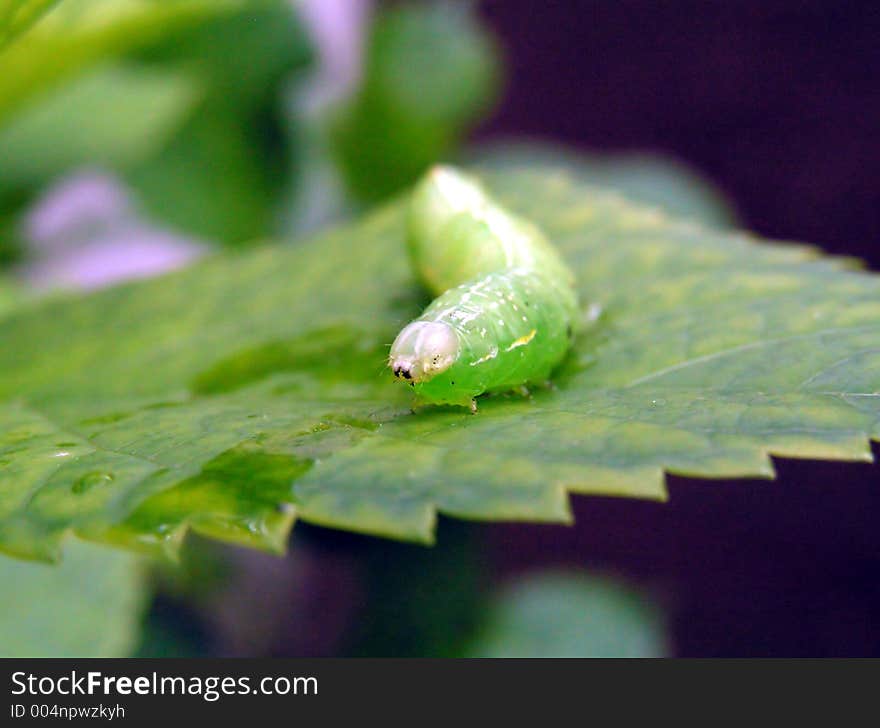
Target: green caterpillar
pixel 506 306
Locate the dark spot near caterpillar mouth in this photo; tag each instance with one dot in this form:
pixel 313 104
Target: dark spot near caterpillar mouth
pixel 568 331
pixel 400 371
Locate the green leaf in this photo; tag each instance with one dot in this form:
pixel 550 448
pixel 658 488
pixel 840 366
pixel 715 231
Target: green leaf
pixel 88 606
pixel 222 176
pixel 114 115
pixel 568 614
pixel 17 17
pixel 417 602
pixel 650 179
pixel 431 71
pixel 84 32
pixel 242 55
pixel 181 96
pixel 9 295
pixel 184 187
pixel 252 389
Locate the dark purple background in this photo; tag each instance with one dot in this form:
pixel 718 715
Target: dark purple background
pixel 779 104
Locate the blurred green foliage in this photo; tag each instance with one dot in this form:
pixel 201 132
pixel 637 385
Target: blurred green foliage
pixel 9 295
pixel 421 601
pixel 114 115
pixel 431 72
pixel 442 602
pixel 182 98
pixel 17 17
pixel 222 176
pixel 186 100
pixel 80 33
pixel 570 614
pixel 88 606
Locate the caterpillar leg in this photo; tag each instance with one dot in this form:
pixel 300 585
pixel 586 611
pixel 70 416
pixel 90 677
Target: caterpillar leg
pixel 473 406
pixel 524 391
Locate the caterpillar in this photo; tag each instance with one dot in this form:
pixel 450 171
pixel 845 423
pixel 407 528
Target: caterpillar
pixel 506 306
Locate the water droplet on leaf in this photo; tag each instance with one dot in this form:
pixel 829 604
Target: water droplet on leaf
pixel 90 480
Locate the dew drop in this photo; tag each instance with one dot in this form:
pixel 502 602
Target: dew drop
pixel 90 480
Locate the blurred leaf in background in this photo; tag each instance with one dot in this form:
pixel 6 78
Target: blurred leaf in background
pixel 60 43
pixel 185 100
pixel 175 625
pixel 112 115
pixel 17 17
pixel 431 72
pixel 420 602
pixel 9 295
pixel 77 34
pixel 317 196
pixel 571 614
pixel 181 98
pixel 91 605
pixel 223 176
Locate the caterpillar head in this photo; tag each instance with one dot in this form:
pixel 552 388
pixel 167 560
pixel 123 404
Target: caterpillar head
pixel 422 350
